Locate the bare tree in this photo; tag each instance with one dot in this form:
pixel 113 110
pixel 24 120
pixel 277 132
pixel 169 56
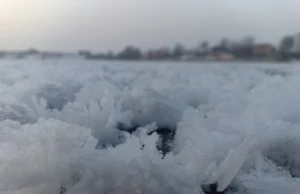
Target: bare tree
pixel 224 43
pixel 286 46
pixel 297 43
pixel 178 50
pixel 287 43
pixel 204 46
pixel 130 52
pixel 248 41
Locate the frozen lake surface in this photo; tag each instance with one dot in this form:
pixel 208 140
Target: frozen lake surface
pixel 53 115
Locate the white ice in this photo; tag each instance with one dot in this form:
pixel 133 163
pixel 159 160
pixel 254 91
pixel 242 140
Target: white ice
pixel 53 113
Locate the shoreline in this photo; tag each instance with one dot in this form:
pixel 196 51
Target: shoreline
pixel 152 61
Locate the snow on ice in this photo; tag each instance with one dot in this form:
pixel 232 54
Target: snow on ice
pixel 74 127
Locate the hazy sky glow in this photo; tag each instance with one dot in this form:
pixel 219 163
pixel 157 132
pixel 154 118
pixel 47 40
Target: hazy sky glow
pixel 69 25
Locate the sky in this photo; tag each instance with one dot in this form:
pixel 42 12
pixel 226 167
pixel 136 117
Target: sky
pixel 100 25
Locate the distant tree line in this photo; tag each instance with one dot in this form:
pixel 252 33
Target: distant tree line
pixel 245 49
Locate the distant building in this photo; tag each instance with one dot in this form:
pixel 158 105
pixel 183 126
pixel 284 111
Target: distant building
pixel 263 50
pixel 193 55
pixel 189 57
pixel 158 54
pixel 224 56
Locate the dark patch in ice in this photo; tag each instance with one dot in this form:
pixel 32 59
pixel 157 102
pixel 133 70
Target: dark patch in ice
pixel 131 129
pixel 62 190
pixel 166 137
pixel 285 154
pixel 211 189
pixel 57 97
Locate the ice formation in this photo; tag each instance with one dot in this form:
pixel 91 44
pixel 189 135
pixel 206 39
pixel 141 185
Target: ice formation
pixel 74 127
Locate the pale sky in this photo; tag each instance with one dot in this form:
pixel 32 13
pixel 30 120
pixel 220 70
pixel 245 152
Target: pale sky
pixel 99 25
